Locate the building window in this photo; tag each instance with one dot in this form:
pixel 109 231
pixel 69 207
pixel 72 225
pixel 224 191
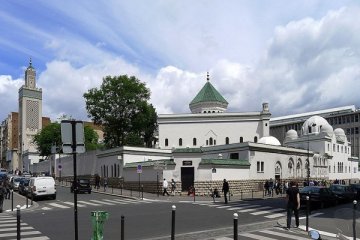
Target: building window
pixel 166 142
pixel 226 140
pixel 214 142
pixel 329 169
pixel 194 141
pixel 234 155
pixel 241 139
pixel 112 171
pixel 255 139
pixel 180 142
pixel 328 146
pixel 211 141
pixel 260 166
pixel 333 147
pixel 207 142
pixel 345 149
pixel 342 149
pixel 338 148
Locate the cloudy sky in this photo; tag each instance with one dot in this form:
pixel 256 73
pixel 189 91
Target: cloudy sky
pixel 297 55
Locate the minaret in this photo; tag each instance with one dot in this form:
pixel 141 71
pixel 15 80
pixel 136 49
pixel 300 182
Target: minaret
pixel 30 118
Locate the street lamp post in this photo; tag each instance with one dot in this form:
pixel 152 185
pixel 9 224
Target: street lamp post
pixel 308 152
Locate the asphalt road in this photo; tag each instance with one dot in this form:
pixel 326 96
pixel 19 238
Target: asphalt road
pixel 152 219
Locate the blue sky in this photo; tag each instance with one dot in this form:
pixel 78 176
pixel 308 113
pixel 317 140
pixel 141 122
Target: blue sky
pixel 297 55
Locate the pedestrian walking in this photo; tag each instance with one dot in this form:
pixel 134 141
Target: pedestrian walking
pixel 266 187
pixel 165 186
pixel 105 183
pixel 173 187
pixel 293 204
pixel 2 195
pixel 97 181
pixel 225 190
pixel 7 188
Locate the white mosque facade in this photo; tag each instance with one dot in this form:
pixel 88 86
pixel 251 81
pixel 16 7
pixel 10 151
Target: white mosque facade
pixel 209 144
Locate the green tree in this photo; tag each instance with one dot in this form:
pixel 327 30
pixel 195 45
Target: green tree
pixel 51 135
pixel 121 106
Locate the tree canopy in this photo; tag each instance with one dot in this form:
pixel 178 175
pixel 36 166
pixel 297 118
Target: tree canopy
pixel 51 135
pixel 121 106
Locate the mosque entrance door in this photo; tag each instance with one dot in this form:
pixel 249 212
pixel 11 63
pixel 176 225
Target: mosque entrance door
pixel 187 178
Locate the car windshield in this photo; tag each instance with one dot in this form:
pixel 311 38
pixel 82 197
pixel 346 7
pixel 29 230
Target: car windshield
pixel 17 179
pixel 338 188
pixel 84 181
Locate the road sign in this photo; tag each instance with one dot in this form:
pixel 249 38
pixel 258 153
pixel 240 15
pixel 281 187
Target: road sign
pixel 139 168
pixel 59 167
pixel 67 133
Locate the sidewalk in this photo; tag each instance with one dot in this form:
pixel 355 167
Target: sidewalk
pixel 10 204
pixel 135 194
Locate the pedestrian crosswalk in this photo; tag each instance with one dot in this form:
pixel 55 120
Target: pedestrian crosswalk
pixel 253 209
pixel 8 229
pixel 275 233
pixel 92 203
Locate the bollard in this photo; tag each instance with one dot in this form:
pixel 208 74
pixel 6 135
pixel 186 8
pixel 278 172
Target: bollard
pixel 112 189
pixel 18 222
pixel 27 202
pixel 121 189
pixel 131 191
pixel 194 194
pixel 307 213
pixel 252 193
pixel 354 220
pixel 32 197
pixel 229 196
pixel 122 227
pixel 235 226
pixel 98 220
pixel 142 192
pixel 12 200
pixel 241 195
pixel 173 222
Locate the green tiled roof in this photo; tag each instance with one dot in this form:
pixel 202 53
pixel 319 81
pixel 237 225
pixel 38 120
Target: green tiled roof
pixel 187 150
pixel 232 162
pixel 208 94
pixel 149 163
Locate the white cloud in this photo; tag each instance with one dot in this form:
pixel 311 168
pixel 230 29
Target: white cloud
pixel 9 94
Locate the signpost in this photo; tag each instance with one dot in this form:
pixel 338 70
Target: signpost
pixel 72 137
pixel 139 171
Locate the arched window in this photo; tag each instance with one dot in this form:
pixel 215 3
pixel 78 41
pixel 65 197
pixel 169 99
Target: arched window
pixel 166 142
pixel 194 141
pixel 207 142
pixel 226 140
pixel 241 139
pixel 214 142
pixel 112 171
pixel 255 139
pixel 115 170
pixel 211 141
pixel 180 141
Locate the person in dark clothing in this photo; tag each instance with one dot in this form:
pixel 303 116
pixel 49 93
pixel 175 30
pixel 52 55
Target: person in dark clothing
pixel 225 190
pixel 2 195
pixel 293 204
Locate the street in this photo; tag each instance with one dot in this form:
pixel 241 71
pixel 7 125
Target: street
pixel 151 218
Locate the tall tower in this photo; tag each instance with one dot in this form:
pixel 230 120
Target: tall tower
pixel 30 118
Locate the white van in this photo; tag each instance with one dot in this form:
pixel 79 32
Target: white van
pixel 42 187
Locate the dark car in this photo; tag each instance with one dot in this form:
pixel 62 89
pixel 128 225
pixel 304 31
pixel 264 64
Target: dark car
pixel 318 196
pixel 343 192
pixel 23 186
pixel 83 185
pixel 356 190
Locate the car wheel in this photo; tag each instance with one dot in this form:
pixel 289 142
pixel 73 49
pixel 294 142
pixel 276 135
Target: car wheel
pixel 54 197
pixel 89 192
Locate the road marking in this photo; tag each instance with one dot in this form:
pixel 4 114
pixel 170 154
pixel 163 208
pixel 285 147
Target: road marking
pixel 57 205
pixel 253 209
pixel 102 202
pixel 15 229
pixel 254 236
pixel 89 203
pixel 22 234
pixel 224 207
pixel 239 207
pixel 46 208
pixel 287 236
pixel 268 211
pixel 36 238
pixel 13 224
pixel 72 204
pixel 275 215
pixel 8 221
pixel 312 215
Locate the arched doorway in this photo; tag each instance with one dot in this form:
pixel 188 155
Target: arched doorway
pixel 278 171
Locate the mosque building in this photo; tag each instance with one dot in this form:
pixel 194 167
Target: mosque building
pixel 203 147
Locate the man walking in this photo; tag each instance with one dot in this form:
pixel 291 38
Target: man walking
pixel 165 186
pixel 225 190
pixel 293 204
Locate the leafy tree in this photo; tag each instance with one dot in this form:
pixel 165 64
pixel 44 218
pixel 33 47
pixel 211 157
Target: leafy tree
pixel 121 106
pixel 51 135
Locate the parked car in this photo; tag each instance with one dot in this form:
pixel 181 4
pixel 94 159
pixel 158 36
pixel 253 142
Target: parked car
pixel 318 196
pixel 344 193
pixel 23 186
pixel 42 187
pixel 14 182
pixel 82 186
